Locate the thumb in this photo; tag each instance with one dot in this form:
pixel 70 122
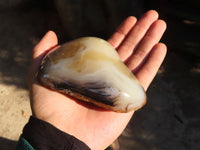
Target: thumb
pixel 48 42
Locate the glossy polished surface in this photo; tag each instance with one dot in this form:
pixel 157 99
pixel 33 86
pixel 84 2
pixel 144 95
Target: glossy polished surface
pixel 90 69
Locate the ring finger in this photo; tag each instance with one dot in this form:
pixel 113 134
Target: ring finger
pixel 151 38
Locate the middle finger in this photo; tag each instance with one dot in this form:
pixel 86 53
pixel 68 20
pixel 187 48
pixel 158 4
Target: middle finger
pixel 151 38
pixel 125 50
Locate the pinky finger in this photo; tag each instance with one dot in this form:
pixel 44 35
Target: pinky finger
pixel 148 71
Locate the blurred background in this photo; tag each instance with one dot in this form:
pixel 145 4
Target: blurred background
pixel 171 118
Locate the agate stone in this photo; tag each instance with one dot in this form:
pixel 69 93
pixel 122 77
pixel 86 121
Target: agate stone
pixel 90 69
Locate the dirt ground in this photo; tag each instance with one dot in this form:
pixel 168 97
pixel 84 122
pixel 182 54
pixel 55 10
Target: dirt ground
pixel 169 121
pixel 20 29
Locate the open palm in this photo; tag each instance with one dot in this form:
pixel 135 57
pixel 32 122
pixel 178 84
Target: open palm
pixel 138 47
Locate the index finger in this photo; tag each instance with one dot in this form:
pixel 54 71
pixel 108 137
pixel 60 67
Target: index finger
pixel 121 32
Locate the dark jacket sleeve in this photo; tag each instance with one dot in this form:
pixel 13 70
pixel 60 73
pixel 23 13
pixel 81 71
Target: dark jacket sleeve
pixel 44 136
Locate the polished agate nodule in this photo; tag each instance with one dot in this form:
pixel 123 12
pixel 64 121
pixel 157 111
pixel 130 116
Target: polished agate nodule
pixel 90 69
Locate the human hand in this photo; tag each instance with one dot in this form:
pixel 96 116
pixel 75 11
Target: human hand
pixel 137 45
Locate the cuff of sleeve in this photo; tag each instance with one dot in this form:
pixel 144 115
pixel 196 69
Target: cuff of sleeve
pixel 23 144
pixel 44 136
